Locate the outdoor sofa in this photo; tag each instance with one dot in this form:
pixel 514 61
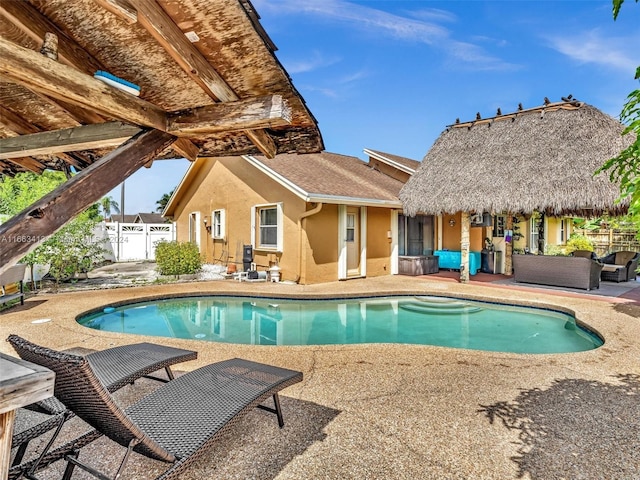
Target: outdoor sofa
pixel 559 271
pixel 620 266
pixel 176 422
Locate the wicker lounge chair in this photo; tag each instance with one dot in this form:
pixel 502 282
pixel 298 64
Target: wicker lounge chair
pixel 114 367
pixel 176 422
pixel 620 266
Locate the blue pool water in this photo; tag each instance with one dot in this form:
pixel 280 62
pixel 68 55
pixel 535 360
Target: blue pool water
pixel 420 320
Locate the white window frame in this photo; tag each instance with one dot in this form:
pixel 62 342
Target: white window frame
pixel 534 234
pixel 218 223
pixel 255 227
pixel 194 227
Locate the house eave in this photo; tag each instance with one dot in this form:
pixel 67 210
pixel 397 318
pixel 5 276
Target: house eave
pixel 388 161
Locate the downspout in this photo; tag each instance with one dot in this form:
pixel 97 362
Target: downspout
pixel 306 214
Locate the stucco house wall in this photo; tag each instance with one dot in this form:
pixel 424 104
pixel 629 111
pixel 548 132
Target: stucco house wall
pixel 310 246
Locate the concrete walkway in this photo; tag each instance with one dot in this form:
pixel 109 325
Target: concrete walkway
pixel 398 411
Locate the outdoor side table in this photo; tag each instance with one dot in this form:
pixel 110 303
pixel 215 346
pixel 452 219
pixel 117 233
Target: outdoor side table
pixel 21 383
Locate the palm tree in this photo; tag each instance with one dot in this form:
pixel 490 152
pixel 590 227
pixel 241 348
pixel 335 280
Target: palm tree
pixel 107 204
pixel 162 203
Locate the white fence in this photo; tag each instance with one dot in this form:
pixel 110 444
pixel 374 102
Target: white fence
pixel 136 241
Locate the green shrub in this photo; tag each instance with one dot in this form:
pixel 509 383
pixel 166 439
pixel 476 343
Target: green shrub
pixel 177 258
pixel 554 250
pixel 578 242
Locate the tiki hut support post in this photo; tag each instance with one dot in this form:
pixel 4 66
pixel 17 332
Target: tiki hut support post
pixel 464 247
pixel 541 235
pixel 508 247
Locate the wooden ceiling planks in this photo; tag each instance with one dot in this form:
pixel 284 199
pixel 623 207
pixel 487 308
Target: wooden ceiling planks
pixel 238 52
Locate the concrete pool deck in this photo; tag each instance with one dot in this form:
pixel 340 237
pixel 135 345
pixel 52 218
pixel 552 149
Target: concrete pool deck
pixel 397 411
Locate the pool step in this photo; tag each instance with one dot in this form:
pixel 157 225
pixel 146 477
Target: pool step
pixel 440 305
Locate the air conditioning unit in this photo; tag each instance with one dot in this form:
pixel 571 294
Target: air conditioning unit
pixel 476 220
pixel 481 220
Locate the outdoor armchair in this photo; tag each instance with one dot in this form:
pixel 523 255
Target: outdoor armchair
pixel 620 266
pixel 176 422
pixel 114 368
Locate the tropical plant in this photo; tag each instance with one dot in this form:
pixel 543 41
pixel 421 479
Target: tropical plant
pixel 108 204
pixel 625 167
pixel 17 193
pixel 578 242
pixel 70 250
pixel 164 200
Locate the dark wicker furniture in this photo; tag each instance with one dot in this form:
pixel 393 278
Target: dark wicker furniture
pixel 114 367
pixel 620 266
pixel 572 272
pixel 176 422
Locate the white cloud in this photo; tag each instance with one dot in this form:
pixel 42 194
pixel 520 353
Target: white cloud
pixel 593 47
pixel 315 61
pixel 420 29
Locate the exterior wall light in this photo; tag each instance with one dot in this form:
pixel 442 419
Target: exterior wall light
pixel 452 222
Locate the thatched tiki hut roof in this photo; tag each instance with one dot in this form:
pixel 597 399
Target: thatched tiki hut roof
pixel 539 159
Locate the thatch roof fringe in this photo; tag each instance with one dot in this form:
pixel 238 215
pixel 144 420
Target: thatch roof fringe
pixel 531 163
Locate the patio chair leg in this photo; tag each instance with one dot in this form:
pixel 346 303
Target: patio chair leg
pixel 45 450
pixel 277 410
pixel 17 460
pixel 68 471
pixel 72 462
pixel 165 380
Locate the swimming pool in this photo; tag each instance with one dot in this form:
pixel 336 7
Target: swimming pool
pixel 425 320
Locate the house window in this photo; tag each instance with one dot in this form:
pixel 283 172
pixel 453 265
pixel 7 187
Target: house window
pixel 218 223
pixel 534 234
pixel 562 231
pixel 351 227
pixel 499 225
pixel 194 228
pixel 267 227
pixel 415 235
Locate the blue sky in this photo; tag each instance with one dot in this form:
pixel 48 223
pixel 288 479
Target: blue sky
pixel 391 75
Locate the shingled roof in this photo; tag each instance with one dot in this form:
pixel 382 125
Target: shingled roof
pixel 539 159
pixel 325 176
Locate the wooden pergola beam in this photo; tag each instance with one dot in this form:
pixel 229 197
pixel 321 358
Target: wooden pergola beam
pixel 120 8
pixel 28 163
pixel 248 114
pixel 86 137
pixel 221 117
pixel 34 71
pixel 54 210
pixel 14 125
pixel 162 27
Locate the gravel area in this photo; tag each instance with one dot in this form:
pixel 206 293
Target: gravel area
pixel 396 411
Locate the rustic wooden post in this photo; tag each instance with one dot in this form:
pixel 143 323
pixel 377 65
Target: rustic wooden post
pixel 50 46
pixel 508 247
pixel 26 230
pixel 465 225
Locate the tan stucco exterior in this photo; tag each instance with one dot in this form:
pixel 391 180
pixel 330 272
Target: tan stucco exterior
pixel 310 246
